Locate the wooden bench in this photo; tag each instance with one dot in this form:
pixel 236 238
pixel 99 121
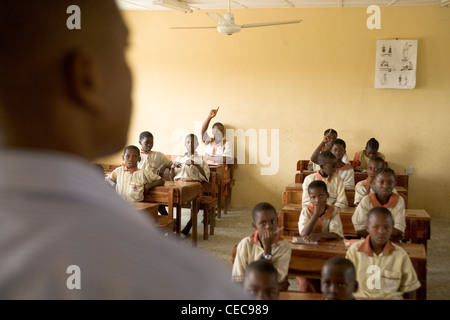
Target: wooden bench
pixel 151 209
pixel 294 191
pixel 417 223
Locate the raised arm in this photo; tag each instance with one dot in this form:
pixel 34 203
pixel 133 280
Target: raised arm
pixel 205 125
pixel 327 138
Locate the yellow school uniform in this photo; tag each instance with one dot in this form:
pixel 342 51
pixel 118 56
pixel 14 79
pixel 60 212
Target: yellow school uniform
pixel 190 172
pixel 362 161
pixel 387 275
pixel 396 206
pixel 153 160
pixel 130 182
pixel 250 249
pixel 328 222
pixel 335 187
pixel 360 191
pixel 347 174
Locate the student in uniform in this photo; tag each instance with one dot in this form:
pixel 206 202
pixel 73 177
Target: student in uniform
pixel 260 280
pixel 329 136
pixel 155 161
pixel 363 188
pixel 130 182
pixel 361 159
pixel 338 279
pixel 326 173
pixel 190 167
pixel 319 220
pixel 383 196
pixel 383 269
pixel 265 243
pixel 345 170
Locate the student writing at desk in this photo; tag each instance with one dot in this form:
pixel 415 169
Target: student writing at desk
pixel 361 159
pixel 383 196
pixel 383 268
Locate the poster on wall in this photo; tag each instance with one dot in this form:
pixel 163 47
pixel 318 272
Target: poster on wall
pixel 396 64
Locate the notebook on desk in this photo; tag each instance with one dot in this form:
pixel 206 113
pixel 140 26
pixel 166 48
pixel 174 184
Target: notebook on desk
pixel 299 240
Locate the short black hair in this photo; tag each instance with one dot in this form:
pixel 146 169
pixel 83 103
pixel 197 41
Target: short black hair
pixel 332 131
pixel 325 156
pixel 380 210
pixel 341 262
pixel 219 124
pixel 372 144
pixel 339 141
pixel 191 136
pixel 145 134
pixel 377 159
pixel 385 170
pixel 317 184
pixel 261 266
pixel 263 206
pixel 131 147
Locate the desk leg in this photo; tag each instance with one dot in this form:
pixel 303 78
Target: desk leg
pixel 178 222
pixel 194 212
pixel 219 202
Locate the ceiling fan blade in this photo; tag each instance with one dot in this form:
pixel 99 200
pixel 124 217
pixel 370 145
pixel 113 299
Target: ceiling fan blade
pixel 216 17
pixel 254 25
pixel 215 27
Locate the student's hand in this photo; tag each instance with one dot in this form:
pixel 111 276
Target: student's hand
pixel 328 137
pixel 320 208
pixel 160 170
pixel 213 112
pixel 267 237
pixel 312 237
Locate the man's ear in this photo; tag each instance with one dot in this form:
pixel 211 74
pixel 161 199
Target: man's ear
pixel 253 224
pixel 123 157
pixel 82 80
pixel 139 160
pixel 356 286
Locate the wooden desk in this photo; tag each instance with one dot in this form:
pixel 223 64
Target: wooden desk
pixel 296 295
pixel 184 192
pixel 219 169
pixel 307 260
pixel 417 230
pixel 294 191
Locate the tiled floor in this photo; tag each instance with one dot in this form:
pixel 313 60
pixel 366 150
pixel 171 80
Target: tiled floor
pixel 231 228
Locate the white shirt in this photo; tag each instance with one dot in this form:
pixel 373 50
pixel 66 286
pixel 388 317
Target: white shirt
pixel 57 211
pixel 191 172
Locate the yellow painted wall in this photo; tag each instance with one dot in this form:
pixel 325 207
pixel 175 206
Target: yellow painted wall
pixel 300 79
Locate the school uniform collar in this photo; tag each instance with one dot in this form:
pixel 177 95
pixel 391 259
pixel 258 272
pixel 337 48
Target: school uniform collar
pixel 328 211
pixel 392 202
pixel 145 152
pixel 319 177
pixel 130 170
pixel 255 239
pixel 367 249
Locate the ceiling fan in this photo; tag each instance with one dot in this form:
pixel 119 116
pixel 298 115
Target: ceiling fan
pixel 227 25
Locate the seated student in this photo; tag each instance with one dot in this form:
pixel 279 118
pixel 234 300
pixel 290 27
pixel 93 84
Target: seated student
pixel 363 188
pixel 329 136
pixel 383 269
pixel 265 243
pixel 191 168
pixel 361 159
pixel 130 182
pixel 326 173
pixel 345 170
pixel 217 149
pixel 338 279
pixel 155 161
pixel 319 220
pixel 260 280
pixel 383 196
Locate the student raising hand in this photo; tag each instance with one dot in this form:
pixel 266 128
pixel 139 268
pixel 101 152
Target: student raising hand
pixel 213 112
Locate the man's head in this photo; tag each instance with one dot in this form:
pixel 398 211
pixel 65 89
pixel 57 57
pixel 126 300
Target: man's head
pixel 131 156
pixel 146 141
pixel 62 89
pixel 327 162
pixel 338 280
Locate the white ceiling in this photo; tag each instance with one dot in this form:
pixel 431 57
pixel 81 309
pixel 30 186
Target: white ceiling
pixel 249 4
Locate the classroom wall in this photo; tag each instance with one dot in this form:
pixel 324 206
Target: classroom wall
pixel 297 80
